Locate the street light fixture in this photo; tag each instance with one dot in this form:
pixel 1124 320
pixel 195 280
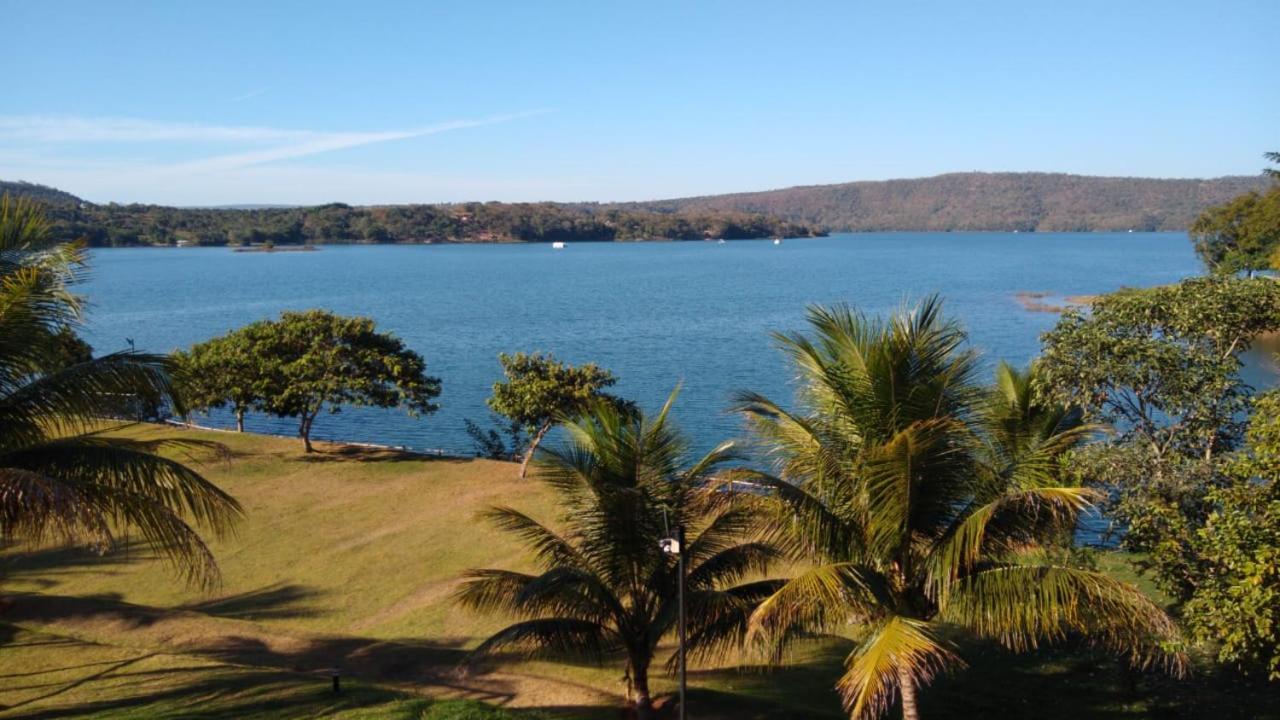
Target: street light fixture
pixel 675 546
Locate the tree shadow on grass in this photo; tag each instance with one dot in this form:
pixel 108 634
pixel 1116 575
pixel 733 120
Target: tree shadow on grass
pixel 280 601
pixel 221 694
pixel 408 661
pixel 364 454
pixel 43 567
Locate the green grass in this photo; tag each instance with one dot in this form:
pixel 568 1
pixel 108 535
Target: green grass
pixel 347 559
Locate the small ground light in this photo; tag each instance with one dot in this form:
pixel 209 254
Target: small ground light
pixel 336 674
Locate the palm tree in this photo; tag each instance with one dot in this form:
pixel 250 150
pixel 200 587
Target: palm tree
pixel 59 477
pixel 604 588
pixel 923 500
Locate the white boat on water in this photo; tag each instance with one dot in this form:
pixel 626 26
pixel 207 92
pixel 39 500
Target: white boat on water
pixel 777 241
pixel 557 245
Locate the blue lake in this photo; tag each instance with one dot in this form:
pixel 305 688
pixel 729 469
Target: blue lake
pixel 657 314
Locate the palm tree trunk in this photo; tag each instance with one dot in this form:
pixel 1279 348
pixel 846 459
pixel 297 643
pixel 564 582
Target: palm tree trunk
pixel 533 445
pixel 907 687
pixel 643 701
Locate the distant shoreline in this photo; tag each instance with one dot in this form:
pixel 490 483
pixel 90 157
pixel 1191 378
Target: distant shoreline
pixel 321 245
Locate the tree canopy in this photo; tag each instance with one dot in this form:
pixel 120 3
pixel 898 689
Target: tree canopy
pixel 603 584
pixel 917 499
pixel 232 370
pixel 540 391
pixel 1163 363
pixel 1161 368
pixel 1243 234
pixel 306 362
pixel 1235 603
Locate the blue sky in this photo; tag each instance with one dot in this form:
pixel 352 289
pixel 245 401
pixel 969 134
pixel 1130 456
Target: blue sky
pixel 379 102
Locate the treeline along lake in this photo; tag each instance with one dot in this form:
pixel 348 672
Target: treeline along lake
pixel 697 314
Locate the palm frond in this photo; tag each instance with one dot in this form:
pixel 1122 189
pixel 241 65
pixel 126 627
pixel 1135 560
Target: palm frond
pixel 549 547
pixel 818 600
pixel 76 398
pixel 900 650
pixel 719 619
pixel 1002 525
pixel 551 638
pixel 1022 606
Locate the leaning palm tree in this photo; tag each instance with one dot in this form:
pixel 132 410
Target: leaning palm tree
pixel 59 477
pixel 604 587
pixel 922 500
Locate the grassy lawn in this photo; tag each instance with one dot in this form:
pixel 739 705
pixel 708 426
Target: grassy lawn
pixel 347 558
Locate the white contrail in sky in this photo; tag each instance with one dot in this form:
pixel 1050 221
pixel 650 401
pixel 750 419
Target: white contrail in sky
pixel 52 130
pixel 329 142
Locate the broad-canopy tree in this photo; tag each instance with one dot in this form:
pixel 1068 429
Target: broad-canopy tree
pixel 539 391
pixel 1235 601
pixel 1161 367
pixel 228 371
pixel 60 478
pixel 921 499
pixel 1243 234
pixel 320 360
pixel 604 588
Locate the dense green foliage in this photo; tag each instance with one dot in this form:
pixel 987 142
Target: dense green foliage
pixel 604 587
pixel 306 362
pixel 59 478
pixel 1242 235
pixel 1161 367
pixel 122 225
pixel 227 371
pixel 539 391
pixel 41 193
pixel 1162 364
pixel 1236 598
pixel 918 500
pixel 984 201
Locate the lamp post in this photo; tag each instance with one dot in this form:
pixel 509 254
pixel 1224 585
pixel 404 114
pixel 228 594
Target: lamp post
pixel 675 546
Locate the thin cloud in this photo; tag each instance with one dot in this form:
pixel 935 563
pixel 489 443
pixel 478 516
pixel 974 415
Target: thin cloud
pixel 249 95
pixel 61 129
pixel 283 144
pixel 333 141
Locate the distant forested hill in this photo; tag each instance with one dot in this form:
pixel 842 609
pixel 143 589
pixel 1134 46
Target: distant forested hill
pixel 964 201
pixel 126 225
pixel 983 201
pixel 43 193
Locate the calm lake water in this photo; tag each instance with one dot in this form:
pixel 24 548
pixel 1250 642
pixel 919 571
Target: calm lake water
pixel 657 314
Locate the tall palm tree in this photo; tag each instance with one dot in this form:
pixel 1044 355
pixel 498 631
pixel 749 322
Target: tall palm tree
pixel 604 588
pixel 923 500
pixel 59 478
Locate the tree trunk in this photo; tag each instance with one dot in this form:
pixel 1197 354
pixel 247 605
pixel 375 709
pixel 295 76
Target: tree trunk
pixel 239 419
pixel 643 702
pixel 304 429
pixel 533 445
pixel 908 689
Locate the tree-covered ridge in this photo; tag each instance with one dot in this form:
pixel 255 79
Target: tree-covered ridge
pixel 984 201
pixel 34 191
pixel 125 225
